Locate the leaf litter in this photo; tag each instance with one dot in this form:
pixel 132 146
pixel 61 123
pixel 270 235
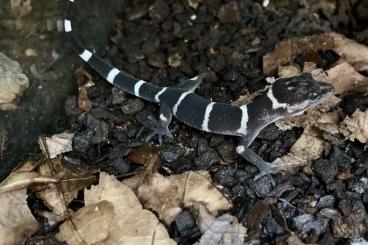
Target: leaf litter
pixel 128 222
pixel 110 206
pixel 344 75
pixel 167 195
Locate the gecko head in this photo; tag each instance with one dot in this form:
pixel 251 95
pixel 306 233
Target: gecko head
pixel 298 93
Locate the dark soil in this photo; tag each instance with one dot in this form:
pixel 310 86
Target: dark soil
pixel 166 42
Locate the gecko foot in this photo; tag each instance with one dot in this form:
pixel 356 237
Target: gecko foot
pixel 266 169
pixel 160 129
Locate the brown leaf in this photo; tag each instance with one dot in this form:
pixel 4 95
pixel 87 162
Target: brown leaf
pixel 145 155
pixel 57 196
pixel 295 240
pixel 286 51
pixel 202 216
pixel 88 225
pixel 343 77
pixel 24 176
pixel 356 127
pixel 160 194
pixel 315 117
pixel 167 195
pixel 17 221
pixel 308 147
pixel 225 230
pixel 131 224
pixel 57 144
pixel 13 83
pixel 84 82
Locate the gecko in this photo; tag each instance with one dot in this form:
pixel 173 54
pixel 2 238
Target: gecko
pixel 285 97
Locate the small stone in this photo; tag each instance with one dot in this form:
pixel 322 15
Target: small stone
pixel 185 224
pixel 342 159
pixel 232 75
pixel 98 129
pixel 229 13
pixel 225 176
pixel 326 169
pixel 227 151
pixel 263 186
pixel 137 13
pixel 216 140
pixel 181 164
pixel 169 156
pixel 330 213
pixel 351 226
pixel 121 166
pixel 272 226
pixel 160 10
pixel 71 106
pixel 101 113
pixel 174 60
pixel 156 59
pixel 326 202
pixel 118 96
pixel 357 186
pixel 120 135
pixel 81 142
pixel 306 223
pixel 207 159
pixel 132 106
pixel 194 3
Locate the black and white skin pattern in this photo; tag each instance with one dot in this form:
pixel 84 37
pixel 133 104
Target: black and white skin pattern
pixel 284 98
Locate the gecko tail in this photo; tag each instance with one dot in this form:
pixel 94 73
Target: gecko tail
pixel 120 79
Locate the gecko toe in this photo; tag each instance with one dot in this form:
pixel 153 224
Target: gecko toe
pixel 160 132
pixel 266 170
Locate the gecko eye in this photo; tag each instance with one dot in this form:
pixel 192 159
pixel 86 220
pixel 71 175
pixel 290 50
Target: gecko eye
pixel 314 96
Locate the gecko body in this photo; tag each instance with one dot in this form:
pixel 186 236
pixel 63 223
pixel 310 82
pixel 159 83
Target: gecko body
pixel 284 98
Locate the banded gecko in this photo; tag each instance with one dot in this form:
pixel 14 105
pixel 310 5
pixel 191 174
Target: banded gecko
pixel 284 98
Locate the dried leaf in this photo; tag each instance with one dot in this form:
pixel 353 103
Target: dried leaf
pixel 287 50
pixel 84 82
pixel 356 127
pixel 24 176
pixel 88 225
pixel 308 147
pixel 17 221
pixel 349 49
pixel 225 230
pixel 131 224
pixel 202 216
pixel 316 117
pixel 295 240
pixel 254 219
pixel 57 196
pixel 57 144
pixel 13 83
pixel 145 155
pixel 343 77
pixel 197 187
pixel 167 195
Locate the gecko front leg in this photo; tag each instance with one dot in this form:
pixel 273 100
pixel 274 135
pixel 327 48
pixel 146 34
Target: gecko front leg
pixel 265 168
pixel 161 127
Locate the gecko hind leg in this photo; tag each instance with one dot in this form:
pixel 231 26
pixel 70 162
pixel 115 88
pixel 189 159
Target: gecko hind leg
pixel 161 127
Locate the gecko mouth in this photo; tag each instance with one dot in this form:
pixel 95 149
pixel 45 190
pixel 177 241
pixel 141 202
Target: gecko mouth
pixel 326 88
